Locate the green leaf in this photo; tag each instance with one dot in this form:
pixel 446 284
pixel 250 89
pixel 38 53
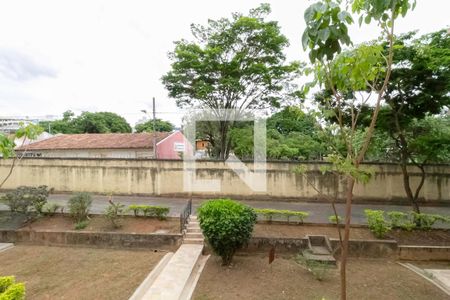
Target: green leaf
pixel 323 34
pixel 305 40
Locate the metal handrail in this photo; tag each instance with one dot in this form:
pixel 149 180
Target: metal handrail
pixel 184 215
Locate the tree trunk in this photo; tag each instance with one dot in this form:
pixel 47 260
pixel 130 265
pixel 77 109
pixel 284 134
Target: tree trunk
pixel 402 143
pixel 344 250
pixel 407 186
pixel 224 149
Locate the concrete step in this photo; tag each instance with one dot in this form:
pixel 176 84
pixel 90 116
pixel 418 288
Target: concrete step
pixel 172 281
pixel 193 226
pixel 197 241
pixel 320 250
pixel 194 223
pixel 194 235
pixel 193 218
pixel 193 230
pixel 329 259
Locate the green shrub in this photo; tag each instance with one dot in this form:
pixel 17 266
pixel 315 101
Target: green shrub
pixel 425 221
pixel 401 220
pixel 81 225
pixel 135 209
pixel 227 226
pixel 397 218
pixel 79 206
pixel 10 290
pixel 335 220
pixel 50 208
pixel 377 223
pixel 160 212
pixel 268 214
pixel 5 282
pixel 113 212
pixel 25 199
pixel 14 292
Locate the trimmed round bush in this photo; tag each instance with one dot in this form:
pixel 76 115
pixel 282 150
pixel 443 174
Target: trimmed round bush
pixel 227 226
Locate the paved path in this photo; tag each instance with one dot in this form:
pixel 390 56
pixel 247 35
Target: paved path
pixel 441 277
pixel 171 283
pixel 5 246
pixel 319 212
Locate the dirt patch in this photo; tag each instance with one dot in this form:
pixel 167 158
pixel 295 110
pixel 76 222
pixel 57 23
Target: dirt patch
pixel 300 231
pixel 99 223
pixel 251 277
pixel 77 273
pixel 434 237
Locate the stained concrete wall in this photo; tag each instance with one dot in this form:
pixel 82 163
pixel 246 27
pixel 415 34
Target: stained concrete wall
pixel 165 178
pixel 91 153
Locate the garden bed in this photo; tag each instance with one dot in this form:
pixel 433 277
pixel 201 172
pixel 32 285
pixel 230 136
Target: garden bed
pixel 434 237
pixel 251 277
pixel 77 273
pixel 98 223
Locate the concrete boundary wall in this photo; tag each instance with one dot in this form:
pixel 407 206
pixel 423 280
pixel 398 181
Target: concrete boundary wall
pixel 165 178
pixel 357 248
pixel 93 239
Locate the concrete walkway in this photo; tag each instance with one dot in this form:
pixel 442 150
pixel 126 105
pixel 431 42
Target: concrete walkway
pixel 318 212
pixel 439 277
pixel 171 282
pixel 5 246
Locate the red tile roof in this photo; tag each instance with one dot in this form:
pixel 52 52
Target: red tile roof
pixel 97 141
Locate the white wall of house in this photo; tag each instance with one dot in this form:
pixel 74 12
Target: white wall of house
pixel 92 153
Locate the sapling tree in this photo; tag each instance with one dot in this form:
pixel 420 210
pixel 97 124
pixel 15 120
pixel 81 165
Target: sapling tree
pixel 354 78
pixel 7 145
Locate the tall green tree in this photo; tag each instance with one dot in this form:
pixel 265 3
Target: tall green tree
pixel 419 87
pixel 237 63
pixel 291 135
pixel 88 122
pixel 364 68
pixel 160 125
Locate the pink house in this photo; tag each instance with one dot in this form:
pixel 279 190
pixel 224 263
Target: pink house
pixel 169 145
pixel 174 146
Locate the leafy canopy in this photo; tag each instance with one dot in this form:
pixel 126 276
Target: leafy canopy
pixel 160 125
pixel 88 122
pixel 232 63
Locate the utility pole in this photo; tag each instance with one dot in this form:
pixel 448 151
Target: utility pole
pixel 154 130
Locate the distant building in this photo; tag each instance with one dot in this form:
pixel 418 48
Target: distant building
pixel 11 124
pixel 110 145
pixel 201 148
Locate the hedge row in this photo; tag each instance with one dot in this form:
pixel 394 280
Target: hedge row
pixel 381 222
pixel 268 214
pixel 159 212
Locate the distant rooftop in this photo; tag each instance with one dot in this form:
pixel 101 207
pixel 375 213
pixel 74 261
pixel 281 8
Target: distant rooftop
pixel 98 141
